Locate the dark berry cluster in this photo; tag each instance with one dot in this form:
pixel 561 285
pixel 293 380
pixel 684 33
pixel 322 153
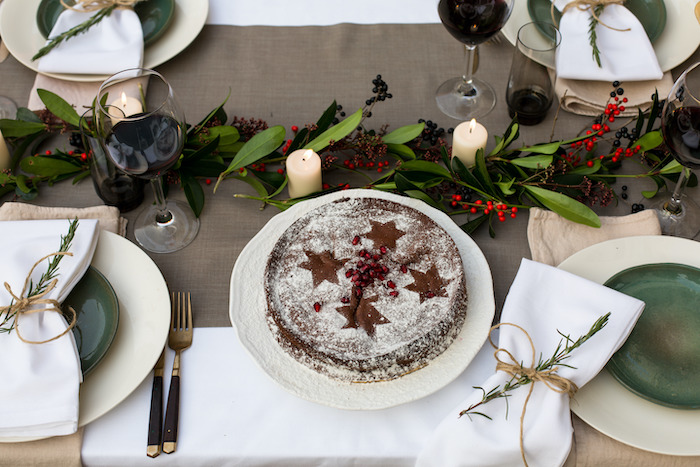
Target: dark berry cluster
pixel 432 132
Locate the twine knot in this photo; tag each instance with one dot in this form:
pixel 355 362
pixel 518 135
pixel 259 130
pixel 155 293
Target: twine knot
pixel 591 6
pixel 94 5
pixel 516 370
pixel 26 305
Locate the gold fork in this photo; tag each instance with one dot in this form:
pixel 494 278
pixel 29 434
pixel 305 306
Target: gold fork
pixel 179 338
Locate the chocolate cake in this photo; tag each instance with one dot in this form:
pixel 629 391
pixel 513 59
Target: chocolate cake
pixel 365 289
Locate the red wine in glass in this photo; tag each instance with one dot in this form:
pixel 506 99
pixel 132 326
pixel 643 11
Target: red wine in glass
pixel 531 105
pixel 145 147
pixel 681 132
pixel 473 22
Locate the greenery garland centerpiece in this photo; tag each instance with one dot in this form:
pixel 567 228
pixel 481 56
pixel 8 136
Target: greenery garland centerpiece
pixel 568 176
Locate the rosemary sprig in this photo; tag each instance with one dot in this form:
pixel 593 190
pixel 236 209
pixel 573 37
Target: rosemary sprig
pixel 75 30
pixel 7 323
pixel 592 36
pixel 561 353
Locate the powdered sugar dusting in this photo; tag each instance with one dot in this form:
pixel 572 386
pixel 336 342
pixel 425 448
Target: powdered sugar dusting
pixel 416 331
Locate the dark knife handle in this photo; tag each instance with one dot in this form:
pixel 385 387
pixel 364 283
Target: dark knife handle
pixel 172 416
pixel 155 423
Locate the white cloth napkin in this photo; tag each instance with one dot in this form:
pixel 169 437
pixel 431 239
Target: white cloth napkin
pixel 40 382
pixel 112 45
pixel 625 55
pixel 542 300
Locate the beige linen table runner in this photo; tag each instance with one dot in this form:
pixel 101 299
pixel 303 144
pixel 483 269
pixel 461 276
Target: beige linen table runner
pixel 60 451
pixel 552 239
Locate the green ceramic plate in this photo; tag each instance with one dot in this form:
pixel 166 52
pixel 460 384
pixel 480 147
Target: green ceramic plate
pixel 155 16
pixel 98 317
pixel 660 360
pixel 651 13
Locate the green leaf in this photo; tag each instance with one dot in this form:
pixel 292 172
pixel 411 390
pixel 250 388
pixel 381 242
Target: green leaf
pixel 585 170
pixel 298 140
pixel 403 152
pixel 533 162
pixel 217 112
pixel 259 187
pixel 547 148
pixel 325 120
pixel 474 224
pixel 274 179
pixel 650 140
pixel 48 166
pixel 59 107
pixel 335 133
pixel 227 135
pixel 202 152
pixel 482 174
pixel 193 192
pixel 465 175
pixel 385 186
pixel 425 166
pixel 510 135
pixel 671 168
pixel 660 183
pixel 506 187
pixel 566 207
pixel 404 134
pixel 19 129
pixel 403 184
pixel 27 115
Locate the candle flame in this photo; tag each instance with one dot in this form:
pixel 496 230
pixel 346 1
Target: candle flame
pixel 123 99
pixel 307 155
pixel 472 125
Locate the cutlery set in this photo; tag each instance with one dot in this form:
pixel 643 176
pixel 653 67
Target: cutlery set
pixel 179 339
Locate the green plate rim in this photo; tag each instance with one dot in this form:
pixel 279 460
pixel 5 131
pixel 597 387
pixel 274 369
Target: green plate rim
pixel 108 337
pixel 612 367
pixel 43 23
pixel 653 35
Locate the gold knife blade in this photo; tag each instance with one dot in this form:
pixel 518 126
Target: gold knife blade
pixel 155 422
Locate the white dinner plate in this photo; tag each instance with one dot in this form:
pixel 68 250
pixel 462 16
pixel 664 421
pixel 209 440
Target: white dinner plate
pixel 248 316
pixel 20 33
pixel 680 38
pixel 606 404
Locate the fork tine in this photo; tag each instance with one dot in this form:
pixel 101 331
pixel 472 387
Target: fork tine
pixel 189 311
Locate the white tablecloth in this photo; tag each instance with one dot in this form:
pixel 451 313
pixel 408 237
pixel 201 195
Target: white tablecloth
pixel 232 413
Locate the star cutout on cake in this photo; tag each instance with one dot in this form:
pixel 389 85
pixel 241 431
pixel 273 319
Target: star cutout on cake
pixel 384 234
pixel 428 284
pixel 323 266
pixel 361 313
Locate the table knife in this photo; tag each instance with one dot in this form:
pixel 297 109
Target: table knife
pixel 155 422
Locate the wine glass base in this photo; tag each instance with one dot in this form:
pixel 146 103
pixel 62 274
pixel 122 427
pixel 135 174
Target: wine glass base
pixel 454 102
pixel 169 236
pixel 685 223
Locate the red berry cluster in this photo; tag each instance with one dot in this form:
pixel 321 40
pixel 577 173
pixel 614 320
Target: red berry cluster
pixel 489 207
pixel 368 269
pixel 361 164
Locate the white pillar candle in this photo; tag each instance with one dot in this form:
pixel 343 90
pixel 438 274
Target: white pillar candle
pixel 304 173
pixel 5 156
pixel 124 106
pixel 468 138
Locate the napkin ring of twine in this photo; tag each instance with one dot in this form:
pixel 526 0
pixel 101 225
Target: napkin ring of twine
pixel 95 5
pixel 23 305
pixel 516 370
pixel 589 5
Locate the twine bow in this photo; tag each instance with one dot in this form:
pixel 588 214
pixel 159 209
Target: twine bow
pixel 516 370
pixel 590 5
pixel 25 305
pixel 94 5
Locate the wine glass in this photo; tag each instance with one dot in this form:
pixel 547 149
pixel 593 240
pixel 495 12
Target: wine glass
pixel 471 22
pixel 144 138
pixel 680 126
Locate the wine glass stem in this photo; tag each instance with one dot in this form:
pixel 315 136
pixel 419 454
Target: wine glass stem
pixel 674 204
pixel 467 88
pixel 164 215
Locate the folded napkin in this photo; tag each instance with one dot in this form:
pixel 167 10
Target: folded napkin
pixel 78 94
pixel 40 386
pixel 552 238
pixel 584 97
pixel 626 53
pixel 108 216
pixel 112 45
pixel 542 300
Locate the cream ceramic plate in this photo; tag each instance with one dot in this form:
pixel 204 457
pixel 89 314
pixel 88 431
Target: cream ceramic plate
pixel 604 403
pixel 20 33
pixel 144 320
pixel 680 37
pixel 247 313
